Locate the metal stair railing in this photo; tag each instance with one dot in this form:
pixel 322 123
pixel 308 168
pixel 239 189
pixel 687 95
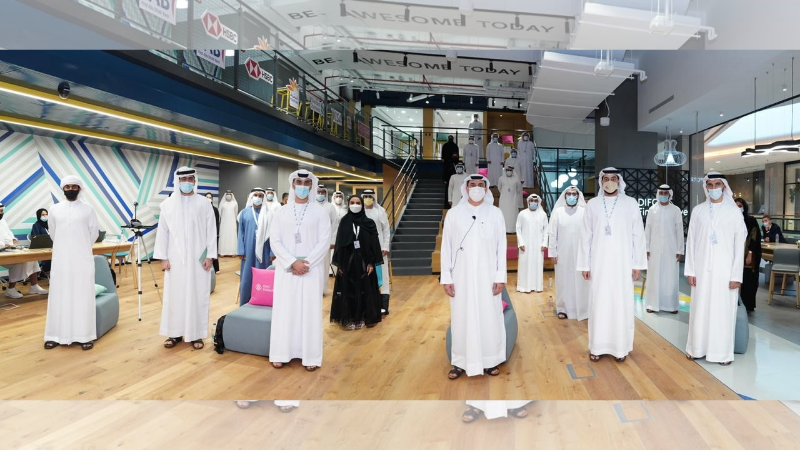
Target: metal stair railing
pixel 395 200
pixel 544 186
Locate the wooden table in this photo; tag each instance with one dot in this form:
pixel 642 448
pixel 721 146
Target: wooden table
pixel 768 249
pixel 9 257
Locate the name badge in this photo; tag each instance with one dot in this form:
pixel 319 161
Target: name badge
pixel 356 245
pixel 297 238
pixel 608 230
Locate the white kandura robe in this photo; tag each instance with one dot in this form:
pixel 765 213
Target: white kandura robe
pixel 712 313
pixel 272 205
pixel 572 291
pixel 297 306
pixel 532 234
pixel 330 209
pixel 611 261
pixel 378 215
pixel 471 156
pixel 16 272
pixel 228 211
pixel 495 409
pixel 510 200
pixel 494 157
pixel 454 188
pixel 664 234
pixel 71 303
pixel 185 233
pixel 476 316
pixel 476 130
pixel 525 155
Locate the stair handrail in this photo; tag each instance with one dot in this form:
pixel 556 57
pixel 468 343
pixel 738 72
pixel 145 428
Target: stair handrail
pixel 403 182
pixel 544 187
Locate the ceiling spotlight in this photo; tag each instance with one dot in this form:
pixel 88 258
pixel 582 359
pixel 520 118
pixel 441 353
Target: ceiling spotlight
pixel 493 103
pixel 449 66
pixel 443 99
pixel 519 104
pixel 516 21
pixel 410 98
pixel 470 100
pixel 378 95
pixel 408 14
pixel 233 52
pixel 427 102
pixel 352 80
pixel 355 56
pixel 721 115
pixel 463 20
pixel 530 69
pixel 491 66
pixel 338 40
pixel 342 10
pixel 784 88
pixel 681 131
pixel 405 60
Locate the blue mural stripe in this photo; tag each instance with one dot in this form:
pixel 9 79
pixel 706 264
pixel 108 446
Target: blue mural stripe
pixel 22 188
pixel 97 182
pixel 5 136
pixel 208 188
pixel 206 166
pixel 127 163
pixel 175 160
pixel 108 182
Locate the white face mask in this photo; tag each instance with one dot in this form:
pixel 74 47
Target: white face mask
pixel 494 139
pixel 524 138
pixel 471 141
pixel 610 186
pixel 477 193
pixel 509 173
pixel 228 196
pixel 741 210
pixel 337 200
pixel 355 209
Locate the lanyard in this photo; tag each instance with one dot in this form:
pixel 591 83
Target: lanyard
pixel 356 230
pixel 299 223
pixel 713 224
pixel 605 208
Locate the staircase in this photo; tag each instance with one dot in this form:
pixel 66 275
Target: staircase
pixel 415 236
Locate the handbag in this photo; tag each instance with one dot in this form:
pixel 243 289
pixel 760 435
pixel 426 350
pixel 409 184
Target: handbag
pixel 379 272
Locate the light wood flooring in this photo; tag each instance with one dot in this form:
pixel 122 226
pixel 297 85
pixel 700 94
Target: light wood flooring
pixel 403 358
pixel 354 425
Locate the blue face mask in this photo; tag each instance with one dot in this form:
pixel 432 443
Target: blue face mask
pixel 302 191
pixel 513 154
pixel 320 198
pixel 572 201
pixel 187 188
pixel 663 198
pixel 533 206
pixel 270 197
pixel 715 193
pixel 44 219
pixel 258 201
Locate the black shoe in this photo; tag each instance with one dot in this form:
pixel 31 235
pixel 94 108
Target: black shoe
pixel 385 309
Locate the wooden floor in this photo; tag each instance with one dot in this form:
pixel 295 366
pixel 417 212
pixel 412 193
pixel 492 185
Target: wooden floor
pixel 402 358
pixel 403 425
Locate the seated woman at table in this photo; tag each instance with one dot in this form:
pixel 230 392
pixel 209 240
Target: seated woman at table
pixel 771 231
pixel 39 228
pixel 18 272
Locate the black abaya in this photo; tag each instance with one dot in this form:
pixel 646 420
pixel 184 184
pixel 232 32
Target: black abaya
pixel 750 273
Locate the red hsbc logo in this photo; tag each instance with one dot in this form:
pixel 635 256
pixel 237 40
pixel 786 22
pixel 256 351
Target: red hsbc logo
pixel 253 69
pixel 216 29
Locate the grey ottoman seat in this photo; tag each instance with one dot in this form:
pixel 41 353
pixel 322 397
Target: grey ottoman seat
pixel 512 328
pixel 742 332
pixel 107 303
pixel 247 328
pixel 213 280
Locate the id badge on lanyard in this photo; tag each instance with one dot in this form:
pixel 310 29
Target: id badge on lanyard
pixel 356 244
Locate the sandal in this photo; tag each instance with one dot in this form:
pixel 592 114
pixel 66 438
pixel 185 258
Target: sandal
pixel 562 316
pixel 519 413
pixel 673 312
pixel 619 360
pixel 49 345
pixel 172 342
pixel 277 365
pixel 286 408
pixel 455 372
pixel 594 358
pixel 198 344
pixel 494 371
pixel 243 404
pixel 471 415
pixel 87 345
pixel 690 357
pixel 726 363
pixel 650 310
pixel 311 368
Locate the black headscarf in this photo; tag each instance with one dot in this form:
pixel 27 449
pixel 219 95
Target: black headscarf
pixel 351 219
pixel 39 218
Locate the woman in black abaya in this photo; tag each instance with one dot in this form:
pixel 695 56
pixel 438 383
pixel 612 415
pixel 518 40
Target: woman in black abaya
pixel 356 297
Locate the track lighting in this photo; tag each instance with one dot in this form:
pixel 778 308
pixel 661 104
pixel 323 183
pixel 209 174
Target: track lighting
pixel 530 69
pixel 405 60
pixel 519 104
pixel 516 21
pixel 470 100
pixel 408 14
pixel 342 10
pixel 493 102
pixel 449 67
pixel 355 56
pixel 443 99
pixel 491 66
pixel 378 95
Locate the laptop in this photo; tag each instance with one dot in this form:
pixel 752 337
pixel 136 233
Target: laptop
pixel 41 241
pixel 101 236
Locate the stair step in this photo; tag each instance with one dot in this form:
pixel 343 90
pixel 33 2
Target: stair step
pixel 415 253
pixel 414 246
pixel 433 213
pixel 410 271
pixel 415 238
pixel 417 231
pixel 411 262
pixel 417 219
pixel 430 225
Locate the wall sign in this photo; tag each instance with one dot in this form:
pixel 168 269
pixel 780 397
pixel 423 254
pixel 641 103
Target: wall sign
pixel 294 94
pixel 256 72
pixel 163 9
pixel 337 117
pixel 216 29
pixel 315 104
pixel 363 130
pixel 216 57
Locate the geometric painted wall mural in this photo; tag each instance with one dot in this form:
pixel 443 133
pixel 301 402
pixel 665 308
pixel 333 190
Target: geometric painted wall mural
pixel 31 168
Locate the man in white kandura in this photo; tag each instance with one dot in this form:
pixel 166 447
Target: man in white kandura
pixel 714 264
pixel 322 200
pixel 473 259
pixel 664 234
pixel 494 409
pixel 228 212
pixel 271 199
pixel 186 242
pixel 70 304
pixel 494 160
pixel 510 198
pixel 454 186
pixel 300 237
pixel 375 211
pixel 564 240
pixel 471 155
pixel 612 255
pixel 18 272
pixel 340 206
pixel 526 155
pixel 476 130
pixel 532 242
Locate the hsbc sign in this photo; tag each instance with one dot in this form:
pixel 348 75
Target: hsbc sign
pixel 256 72
pixel 216 29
